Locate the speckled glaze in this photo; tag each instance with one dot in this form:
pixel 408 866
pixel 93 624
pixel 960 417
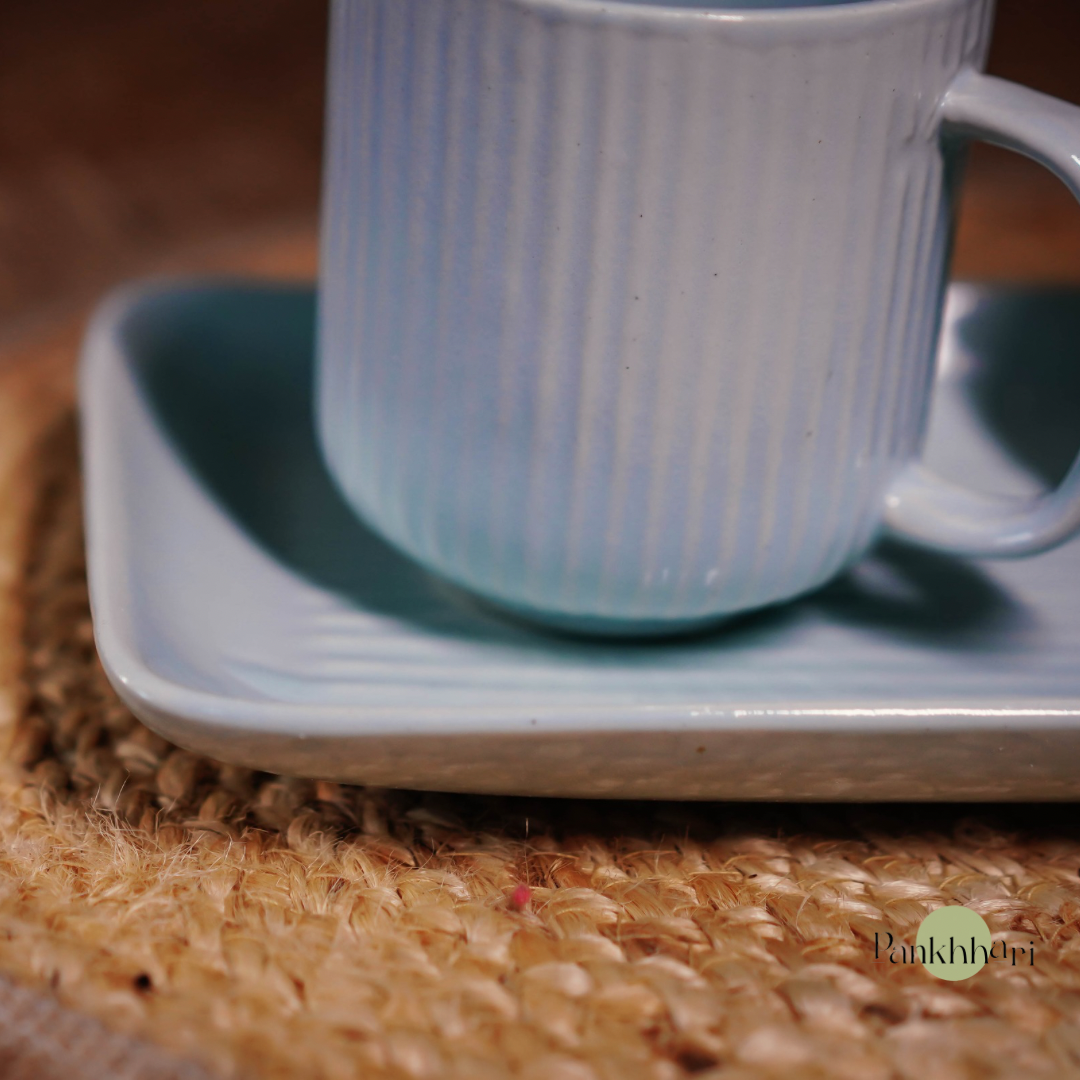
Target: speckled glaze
pixel 628 313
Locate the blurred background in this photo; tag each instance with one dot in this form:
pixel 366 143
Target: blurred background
pixel 135 131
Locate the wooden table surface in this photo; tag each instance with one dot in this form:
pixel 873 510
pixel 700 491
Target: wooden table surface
pixel 132 130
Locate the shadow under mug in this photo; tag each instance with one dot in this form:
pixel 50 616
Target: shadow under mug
pixel 628 313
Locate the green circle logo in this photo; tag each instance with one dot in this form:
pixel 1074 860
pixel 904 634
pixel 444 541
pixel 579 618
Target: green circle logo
pixel 954 943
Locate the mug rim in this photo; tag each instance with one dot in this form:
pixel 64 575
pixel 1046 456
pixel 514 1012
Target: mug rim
pixel 819 14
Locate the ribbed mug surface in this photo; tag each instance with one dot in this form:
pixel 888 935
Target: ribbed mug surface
pixel 628 315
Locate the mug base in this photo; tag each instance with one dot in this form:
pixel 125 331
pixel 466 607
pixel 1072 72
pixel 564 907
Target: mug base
pixel 592 626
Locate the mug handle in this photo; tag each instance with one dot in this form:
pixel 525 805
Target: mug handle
pixel 921 506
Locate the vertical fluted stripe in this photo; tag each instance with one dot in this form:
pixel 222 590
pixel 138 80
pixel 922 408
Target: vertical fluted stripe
pixel 719 367
pixel 396 95
pixel 594 459
pixel 740 368
pixel 645 324
pixel 804 550
pixel 560 281
pixel 887 208
pixel 782 224
pixel 484 227
pixel 424 156
pixel 787 441
pixel 666 495
pixel 465 111
pixel 525 297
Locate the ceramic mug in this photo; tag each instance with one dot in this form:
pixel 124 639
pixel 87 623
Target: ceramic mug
pixel 628 313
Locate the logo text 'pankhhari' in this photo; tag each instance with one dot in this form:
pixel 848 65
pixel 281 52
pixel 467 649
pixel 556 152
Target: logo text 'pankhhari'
pixel 954 944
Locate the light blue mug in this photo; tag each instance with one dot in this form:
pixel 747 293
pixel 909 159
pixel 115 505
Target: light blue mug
pixel 628 313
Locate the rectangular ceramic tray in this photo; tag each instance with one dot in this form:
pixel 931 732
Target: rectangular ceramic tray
pixel 244 613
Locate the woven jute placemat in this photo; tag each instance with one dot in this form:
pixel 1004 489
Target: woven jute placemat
pixel 268 926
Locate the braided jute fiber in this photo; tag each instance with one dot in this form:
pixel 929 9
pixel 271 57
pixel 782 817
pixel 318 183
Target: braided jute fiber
pixel 278 927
